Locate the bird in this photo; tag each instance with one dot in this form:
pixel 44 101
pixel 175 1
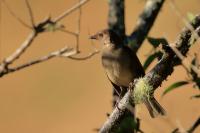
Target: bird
pixel 122 66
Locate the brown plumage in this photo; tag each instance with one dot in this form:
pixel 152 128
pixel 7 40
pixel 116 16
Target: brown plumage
pixel 122 66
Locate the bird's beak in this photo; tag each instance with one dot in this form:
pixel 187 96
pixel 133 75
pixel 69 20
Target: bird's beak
pixel 93 37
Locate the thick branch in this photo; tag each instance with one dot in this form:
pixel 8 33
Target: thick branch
pixel 116 22
pixel 144 23
pixel 155 77
pixel 116 17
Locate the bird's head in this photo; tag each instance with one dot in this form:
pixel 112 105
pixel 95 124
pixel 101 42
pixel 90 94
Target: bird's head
pixel 106 36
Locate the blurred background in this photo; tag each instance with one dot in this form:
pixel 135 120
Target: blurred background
pixel 67 96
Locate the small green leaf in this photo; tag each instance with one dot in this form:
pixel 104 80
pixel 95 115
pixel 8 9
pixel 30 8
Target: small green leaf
pixel 174 86
pixel 190 16
pixel 150 59
pixel 156 41
pixel 54 26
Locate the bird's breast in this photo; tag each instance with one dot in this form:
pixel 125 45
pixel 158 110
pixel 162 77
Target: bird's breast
pixel 118 66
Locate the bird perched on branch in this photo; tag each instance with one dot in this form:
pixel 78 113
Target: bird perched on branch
pixel 122 66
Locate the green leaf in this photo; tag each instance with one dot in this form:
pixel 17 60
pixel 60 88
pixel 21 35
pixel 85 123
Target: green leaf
pixel 156 41
pixel 150 59
pixel 174 86
pixel 190 16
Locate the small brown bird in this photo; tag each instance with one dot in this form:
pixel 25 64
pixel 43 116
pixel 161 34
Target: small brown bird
pixel 122 66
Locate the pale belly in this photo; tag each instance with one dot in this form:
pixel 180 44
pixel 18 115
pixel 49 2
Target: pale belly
pixel 119 74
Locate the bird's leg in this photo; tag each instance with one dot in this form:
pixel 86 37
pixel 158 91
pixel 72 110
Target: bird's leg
pixel 121 92
pixel 120 95
pixel 117 98
pixel 118 92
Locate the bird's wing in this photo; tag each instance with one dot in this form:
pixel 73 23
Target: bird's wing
pixel 139 67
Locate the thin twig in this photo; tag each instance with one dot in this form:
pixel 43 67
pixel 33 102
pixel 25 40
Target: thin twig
pixel 40 28
pixel 78 29
pixel 84 58
pixel 57 53
pixel 0 30
pixel 69 11
pixel 68 32
pixel 15 16
pixel 30 13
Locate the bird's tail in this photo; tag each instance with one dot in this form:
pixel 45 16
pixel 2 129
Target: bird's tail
pixel 154 107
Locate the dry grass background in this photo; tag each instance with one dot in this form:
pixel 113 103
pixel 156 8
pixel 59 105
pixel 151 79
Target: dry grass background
pixel 66 96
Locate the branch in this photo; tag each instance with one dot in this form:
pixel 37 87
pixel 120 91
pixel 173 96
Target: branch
pixel 90 55
pixel 69 11
pixel 116 17
pixel 21 49
pixel 144 23
pixel 155 77
pixel 116 22
pixel 62 52
pixel 184 64
pixel 45 25
pixel 195 32
pixel 78 29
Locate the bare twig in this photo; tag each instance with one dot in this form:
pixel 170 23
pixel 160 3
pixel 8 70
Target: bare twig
pixel 21 49
pixel 78 29
pixel 15 16
pixel 64 51
pixel 30 13
pixel 0 28
pixel 84 58
pixel 46 25
pixel 69 11
pixel 69 32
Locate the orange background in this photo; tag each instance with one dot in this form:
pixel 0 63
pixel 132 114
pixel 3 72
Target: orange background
pixel 67 96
